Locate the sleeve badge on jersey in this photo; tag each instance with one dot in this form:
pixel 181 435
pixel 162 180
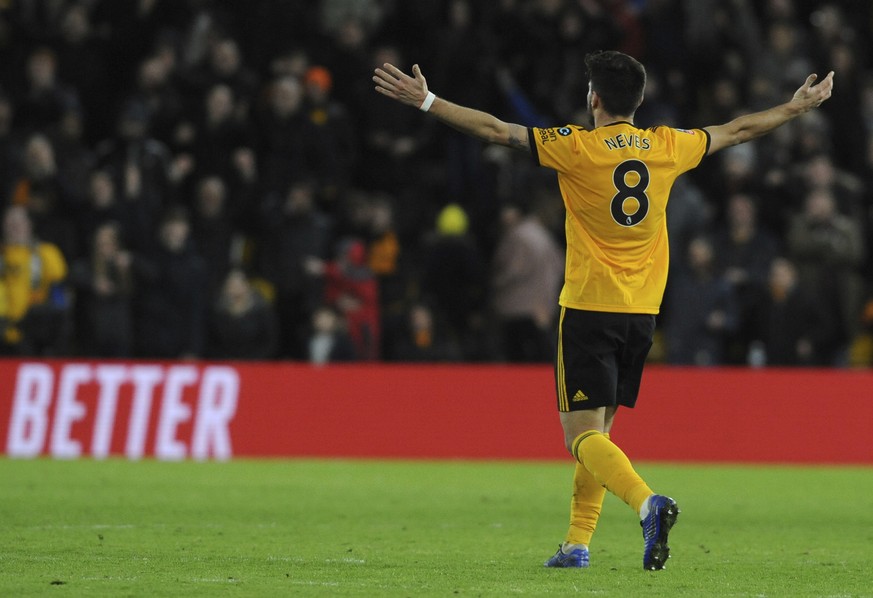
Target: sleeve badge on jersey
pixel 690 132
pixel 564 131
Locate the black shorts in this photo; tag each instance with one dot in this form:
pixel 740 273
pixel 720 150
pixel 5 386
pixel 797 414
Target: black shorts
pixel 600 358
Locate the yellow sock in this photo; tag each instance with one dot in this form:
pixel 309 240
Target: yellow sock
pixel 585 506
pixel 611 467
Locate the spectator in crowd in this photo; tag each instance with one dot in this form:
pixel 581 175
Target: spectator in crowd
pixel 243 183
pixel 104 203
pixel 462 78
pixel 170 308
pixel 45 195
pixel 162 99
pixel 33 275
pixel 526 277
pixel 454 278
pixel 812 136
pixel 738 172
pixel 743 252
pixel 820 171
pixel 347 52
pixel 383 250
pixel 293 230
pixel 82 65
pixel 780 61
pixel 104 287
pixel 384 258
pixel 797 330
pixel 688 212
pixel 218 140
pixel 332 145
pixel 329 340
pixel 423 339
pixel 350 289
pixel 243 324
pixel 219 132
pixel 333 14
pixel 74 157
pixel 703 311
pixel 213 233
pixel 846 53
pixel 224 65
pixel 128 30
pixel 827 247
pixel 45 98
pixel 139 163
pixel 283 133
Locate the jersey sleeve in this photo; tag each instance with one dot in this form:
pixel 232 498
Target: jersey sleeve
pixel 690 146
pixel 557 147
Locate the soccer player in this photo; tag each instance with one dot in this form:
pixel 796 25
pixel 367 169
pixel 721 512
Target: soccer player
pixel 615 181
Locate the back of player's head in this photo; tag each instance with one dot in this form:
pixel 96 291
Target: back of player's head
pixel 618 79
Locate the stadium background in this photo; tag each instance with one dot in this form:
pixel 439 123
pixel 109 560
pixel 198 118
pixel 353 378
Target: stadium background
pixel 217 180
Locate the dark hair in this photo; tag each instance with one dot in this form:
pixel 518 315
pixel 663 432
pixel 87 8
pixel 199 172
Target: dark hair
pixel 618 79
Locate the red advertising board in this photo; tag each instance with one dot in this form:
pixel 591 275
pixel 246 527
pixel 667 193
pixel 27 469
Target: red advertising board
pixel 217 410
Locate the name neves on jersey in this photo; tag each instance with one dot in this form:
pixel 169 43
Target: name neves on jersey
pixel 632 140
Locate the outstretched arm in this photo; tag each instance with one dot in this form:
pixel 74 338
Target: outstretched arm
pixel 754 125
pixel 412 91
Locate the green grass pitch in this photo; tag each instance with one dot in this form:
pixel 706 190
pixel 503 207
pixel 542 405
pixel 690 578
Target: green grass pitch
pixel 401 528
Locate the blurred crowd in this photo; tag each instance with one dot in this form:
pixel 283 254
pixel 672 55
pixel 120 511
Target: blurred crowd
pixel 218 179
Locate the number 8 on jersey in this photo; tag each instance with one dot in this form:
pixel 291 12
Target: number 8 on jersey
pixel 631 179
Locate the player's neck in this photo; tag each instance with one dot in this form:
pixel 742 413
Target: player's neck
pixel 601 119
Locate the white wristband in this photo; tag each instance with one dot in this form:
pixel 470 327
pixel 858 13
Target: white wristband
pixel 428 100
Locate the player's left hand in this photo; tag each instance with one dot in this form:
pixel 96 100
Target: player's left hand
pixel 394 83
pixel 812 96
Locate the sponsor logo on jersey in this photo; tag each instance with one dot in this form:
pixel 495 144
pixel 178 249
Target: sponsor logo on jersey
pixel 546 135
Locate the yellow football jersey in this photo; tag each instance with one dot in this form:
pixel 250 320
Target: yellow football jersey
pixel 28 274
pixel 615 181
